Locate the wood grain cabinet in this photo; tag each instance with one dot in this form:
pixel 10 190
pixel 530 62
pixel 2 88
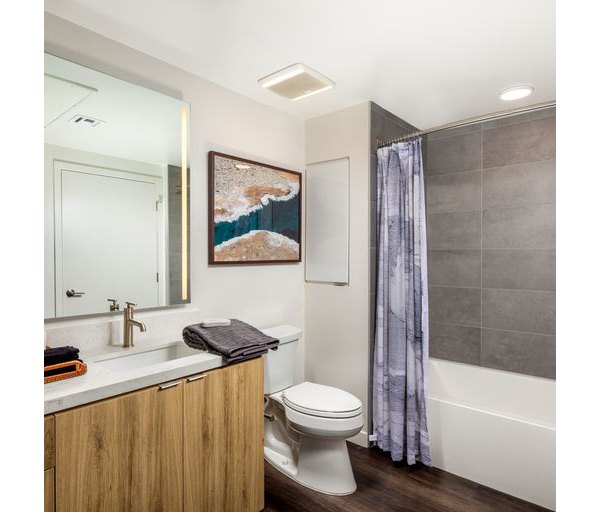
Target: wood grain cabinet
pixel 49 452
pixel 223 441
pixel 190 445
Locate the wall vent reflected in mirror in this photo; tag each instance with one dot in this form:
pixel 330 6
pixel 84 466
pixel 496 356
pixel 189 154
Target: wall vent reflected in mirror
pixel 116 197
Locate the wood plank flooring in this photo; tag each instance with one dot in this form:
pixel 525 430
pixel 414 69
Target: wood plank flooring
pixel 391 487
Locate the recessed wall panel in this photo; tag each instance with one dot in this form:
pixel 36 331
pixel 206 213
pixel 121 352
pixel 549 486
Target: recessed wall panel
pixel 327 221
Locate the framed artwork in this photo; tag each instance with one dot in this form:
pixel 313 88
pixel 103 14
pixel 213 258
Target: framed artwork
pixel 254 212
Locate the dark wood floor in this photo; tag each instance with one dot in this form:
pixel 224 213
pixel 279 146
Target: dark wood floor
pixel 387 486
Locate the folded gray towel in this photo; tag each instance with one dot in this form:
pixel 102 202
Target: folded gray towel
pixel 234 342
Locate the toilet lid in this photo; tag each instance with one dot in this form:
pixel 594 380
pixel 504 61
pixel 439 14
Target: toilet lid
pixel 320 400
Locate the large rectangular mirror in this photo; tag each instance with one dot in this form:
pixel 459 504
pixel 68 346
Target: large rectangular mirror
pixel 116 193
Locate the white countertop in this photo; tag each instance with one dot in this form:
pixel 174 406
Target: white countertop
pixel 101 381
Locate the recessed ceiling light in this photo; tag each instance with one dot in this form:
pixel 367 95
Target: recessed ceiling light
pixel 296 82
pixel 516 92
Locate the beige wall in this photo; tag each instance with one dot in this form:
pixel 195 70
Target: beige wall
pixel 337 317
pixel 220 120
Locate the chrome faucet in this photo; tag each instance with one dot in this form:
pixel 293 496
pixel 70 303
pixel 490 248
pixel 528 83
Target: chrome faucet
pixel 128 324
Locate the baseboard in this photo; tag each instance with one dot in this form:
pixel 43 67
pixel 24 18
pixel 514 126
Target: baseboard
pixel 361 439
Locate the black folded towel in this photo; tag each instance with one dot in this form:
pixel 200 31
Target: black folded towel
pixel 60 355
pixel 235 342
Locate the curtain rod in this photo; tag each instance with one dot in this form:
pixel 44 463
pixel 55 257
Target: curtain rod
pixel 468 121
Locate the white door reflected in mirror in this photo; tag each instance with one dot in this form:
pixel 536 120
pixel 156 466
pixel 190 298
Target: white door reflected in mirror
pixel 107 238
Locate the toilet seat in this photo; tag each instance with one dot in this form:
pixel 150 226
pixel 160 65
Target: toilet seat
pixel 322 401
pixel 309 424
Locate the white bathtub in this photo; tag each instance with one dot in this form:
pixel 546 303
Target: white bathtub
pixel 495 428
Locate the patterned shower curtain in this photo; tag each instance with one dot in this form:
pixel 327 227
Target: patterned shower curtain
pixel 402 328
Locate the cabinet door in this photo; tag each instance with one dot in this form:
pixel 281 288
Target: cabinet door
pixel 123 454
pixel 49 490
pixel 223 440
pixel 48 442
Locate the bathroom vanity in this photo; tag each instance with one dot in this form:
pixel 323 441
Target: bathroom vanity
pixel 190 444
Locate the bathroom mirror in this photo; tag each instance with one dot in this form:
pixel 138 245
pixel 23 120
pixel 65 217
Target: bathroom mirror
pixel 116 203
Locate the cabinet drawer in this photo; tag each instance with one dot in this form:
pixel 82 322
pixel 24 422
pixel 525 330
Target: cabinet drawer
pixel 48 442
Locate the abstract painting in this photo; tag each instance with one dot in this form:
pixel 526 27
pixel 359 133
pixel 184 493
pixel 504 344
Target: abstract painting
pixel 254 212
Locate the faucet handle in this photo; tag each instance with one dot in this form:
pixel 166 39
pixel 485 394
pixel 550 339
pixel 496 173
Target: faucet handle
pixel 130 304
pixel 115 304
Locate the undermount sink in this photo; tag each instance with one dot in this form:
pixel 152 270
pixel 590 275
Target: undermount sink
pixel 132 361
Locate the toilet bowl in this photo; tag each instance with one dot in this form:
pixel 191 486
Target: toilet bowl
pixel 307 424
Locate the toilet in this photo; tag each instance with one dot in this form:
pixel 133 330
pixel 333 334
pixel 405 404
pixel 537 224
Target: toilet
pixel 307 424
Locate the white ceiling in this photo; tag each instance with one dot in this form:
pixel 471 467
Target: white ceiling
pixel 139 124
pixel 428 61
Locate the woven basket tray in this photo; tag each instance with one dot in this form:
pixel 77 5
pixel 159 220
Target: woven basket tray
pixel 80 369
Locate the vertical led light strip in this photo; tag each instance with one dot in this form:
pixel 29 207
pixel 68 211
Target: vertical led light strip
pixel 184 206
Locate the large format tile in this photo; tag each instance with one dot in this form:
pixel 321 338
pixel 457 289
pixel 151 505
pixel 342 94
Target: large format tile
pixel 455 343
pixel 455 305
pixel 455 268
pixel 531 354
pixel 454 132
pixel 531 227
pixel 458 230
pixel 519 118
pixel 520 269
pixel 454 154
pixel 377 130
pixel 520 185
pixel 396 128
pixel 518 143
pixel 454 192
pixel 512 310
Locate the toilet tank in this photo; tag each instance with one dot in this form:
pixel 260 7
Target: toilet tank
pixel 280 364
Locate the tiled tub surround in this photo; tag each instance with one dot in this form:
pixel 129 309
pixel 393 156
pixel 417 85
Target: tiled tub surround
pixel 491 239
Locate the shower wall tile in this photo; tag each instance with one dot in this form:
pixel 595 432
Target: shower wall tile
pixel 457 230
pixel 455 343
pixel 455 268
pixel 491 239
pixel 520 118
pixel 517 310
pixel 460 153
pixel 455 305
pixel 529 141
pixel 520 185
pixel 519 269
pixel 530 227
pixel 531 354
pixel 454 192
pixel 393 128
pixel 377 128
pixel 454 132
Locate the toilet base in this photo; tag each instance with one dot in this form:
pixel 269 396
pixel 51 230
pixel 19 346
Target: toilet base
pixel 322 465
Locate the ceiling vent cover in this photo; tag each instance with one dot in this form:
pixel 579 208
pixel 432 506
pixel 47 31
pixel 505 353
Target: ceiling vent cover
pixel 296 82
pixel 83 120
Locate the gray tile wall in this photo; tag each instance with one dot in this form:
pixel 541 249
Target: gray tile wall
pixel 491 231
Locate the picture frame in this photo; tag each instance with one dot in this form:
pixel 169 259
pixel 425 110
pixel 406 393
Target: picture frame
pixel 254 212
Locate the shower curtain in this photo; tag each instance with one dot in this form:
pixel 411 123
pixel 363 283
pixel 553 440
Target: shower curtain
pixel 401 329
